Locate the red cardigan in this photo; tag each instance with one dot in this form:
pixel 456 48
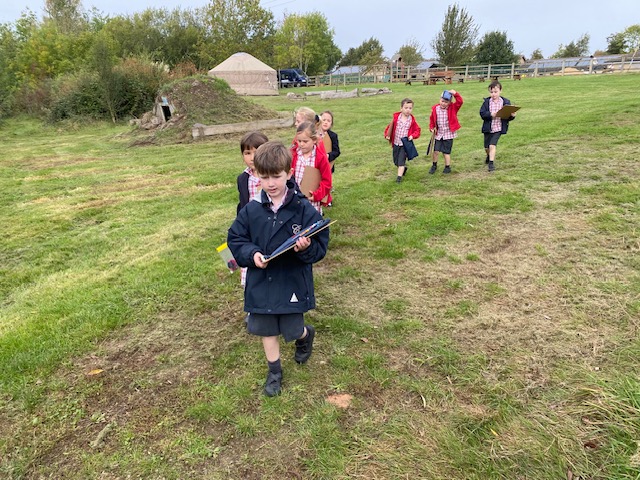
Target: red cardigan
pixel 414 128
pixel 323 193
pixel 452 113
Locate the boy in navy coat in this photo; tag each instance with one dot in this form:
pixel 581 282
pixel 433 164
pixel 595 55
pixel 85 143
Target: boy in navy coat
pixel 278 292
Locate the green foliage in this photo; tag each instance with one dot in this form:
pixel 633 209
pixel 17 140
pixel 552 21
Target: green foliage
pixel 632 38
pixel 306 42
pixel 236 26
pixel 495 48
pixel 77 95
pixel 537 54
pixel 65 14
pixel 111 92
pixel 455 43
pixel 411 53
pixel 371 52
pixel 616 43
pixel 578 48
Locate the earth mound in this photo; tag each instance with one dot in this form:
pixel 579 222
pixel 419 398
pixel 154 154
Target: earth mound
pixel 198 99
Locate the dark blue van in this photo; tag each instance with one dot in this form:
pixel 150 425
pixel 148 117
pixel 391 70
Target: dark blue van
pixel 292 77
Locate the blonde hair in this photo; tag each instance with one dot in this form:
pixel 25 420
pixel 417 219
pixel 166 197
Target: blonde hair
pixel 309 114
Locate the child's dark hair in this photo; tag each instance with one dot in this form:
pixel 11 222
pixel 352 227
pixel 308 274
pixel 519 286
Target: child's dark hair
pixel 405 100
pixel 495 83
pixel 252 140
pixel 272 158
pixel 309 127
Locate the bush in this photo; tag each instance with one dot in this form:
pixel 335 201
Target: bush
pixel 126 91
pixel 77 95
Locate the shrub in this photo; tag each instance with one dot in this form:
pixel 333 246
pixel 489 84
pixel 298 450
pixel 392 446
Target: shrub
pixel 127 90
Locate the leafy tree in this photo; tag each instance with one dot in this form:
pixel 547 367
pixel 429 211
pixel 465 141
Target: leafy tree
pixel 66 14
pixel 110 83
pixel 371 49
pixel 182 31
pixel 537 54
pixel 632 38
pixel 455 43
pixel 137 34
pixel 616 43
pixel 306 41
pixel 236 26
pixel 411 52
pixel 578 48
pixel 495 48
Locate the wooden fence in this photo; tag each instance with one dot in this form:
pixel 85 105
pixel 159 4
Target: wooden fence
pixel 389 74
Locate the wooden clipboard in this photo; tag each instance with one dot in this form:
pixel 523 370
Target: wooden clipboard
pixel 506 111
pixel 311 182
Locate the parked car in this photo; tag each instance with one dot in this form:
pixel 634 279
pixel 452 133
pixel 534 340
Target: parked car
pixel 292 77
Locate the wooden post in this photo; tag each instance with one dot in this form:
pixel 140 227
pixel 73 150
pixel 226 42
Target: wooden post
pixel 513 68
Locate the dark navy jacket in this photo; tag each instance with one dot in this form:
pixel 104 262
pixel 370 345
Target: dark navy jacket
pixel 485 114
pixel 243 190
pixel 286 285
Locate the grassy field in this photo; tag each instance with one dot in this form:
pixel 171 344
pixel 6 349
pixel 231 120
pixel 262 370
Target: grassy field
pixel 479 325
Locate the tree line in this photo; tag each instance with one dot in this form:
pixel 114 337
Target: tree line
pixel 77 62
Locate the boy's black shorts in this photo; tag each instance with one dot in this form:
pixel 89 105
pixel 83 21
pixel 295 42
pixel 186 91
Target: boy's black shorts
pixel 443 146
pixel 491 139
pixel 289 325
pixel 399 156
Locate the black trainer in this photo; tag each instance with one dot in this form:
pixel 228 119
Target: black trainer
pixel 447 169
pixel 486 160
pixel 434 167
pixel 399 179
pixel 492 167
pixel 273 384
pixel 304 347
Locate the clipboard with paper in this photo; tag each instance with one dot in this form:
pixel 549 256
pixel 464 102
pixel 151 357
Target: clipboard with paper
pixel 308 232
pixel 506 111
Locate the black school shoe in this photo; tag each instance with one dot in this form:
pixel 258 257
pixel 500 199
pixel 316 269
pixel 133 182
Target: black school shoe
pixel 304 347
pixel 273 385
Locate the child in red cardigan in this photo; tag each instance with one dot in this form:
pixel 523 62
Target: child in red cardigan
pixel 403 125
pixel 444 122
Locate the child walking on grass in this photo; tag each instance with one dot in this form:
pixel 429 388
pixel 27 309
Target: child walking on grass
pixel 248 181
pixel 306 152
pixel 444 123
pixel 493 126
pixel 279 292
pixel 403 125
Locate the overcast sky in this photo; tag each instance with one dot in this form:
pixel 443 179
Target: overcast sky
pixel 543 24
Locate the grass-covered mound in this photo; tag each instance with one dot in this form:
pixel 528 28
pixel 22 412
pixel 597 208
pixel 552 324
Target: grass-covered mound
pixel 205 100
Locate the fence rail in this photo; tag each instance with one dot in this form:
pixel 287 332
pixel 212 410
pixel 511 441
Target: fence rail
pixel 391 74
